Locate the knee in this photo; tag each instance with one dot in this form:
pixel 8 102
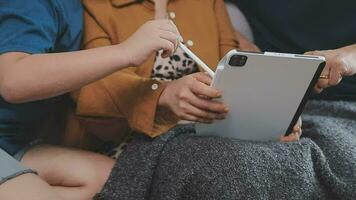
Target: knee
pixel 97 174
pixel 103 170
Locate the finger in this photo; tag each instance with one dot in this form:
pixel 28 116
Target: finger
pixel 167 46
pixel 311 53
pixel 297 131
pixel 324 83
pixel 337 70
pixel 298 126
pixel 193 118
pixel 285 138
pixel 203 77
pixel 180 39
pixel 335 76
pixel 200 88
pixel 168 25
pixel 170 37
pixel 171 27
pixel 300 122
pixel 317 89
pixel 203 114
pixel 300 133
pixel 290 138
pixel 208 105
pixel 315 53
pixel 329 70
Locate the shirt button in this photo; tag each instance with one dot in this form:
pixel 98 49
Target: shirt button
pixel 172 15
pixel 154 86
pixel 190 43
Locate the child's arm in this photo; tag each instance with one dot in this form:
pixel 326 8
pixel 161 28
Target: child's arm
pixel 25 77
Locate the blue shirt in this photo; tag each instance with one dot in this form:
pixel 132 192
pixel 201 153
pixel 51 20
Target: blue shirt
pixel 297 26
pixel 36 26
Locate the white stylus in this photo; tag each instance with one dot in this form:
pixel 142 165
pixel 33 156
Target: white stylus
pixel 196 59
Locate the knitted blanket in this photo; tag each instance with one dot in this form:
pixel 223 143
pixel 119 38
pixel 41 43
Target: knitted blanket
pixel 181 165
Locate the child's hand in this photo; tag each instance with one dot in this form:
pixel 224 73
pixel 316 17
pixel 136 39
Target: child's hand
pixel 153 36
pixel 295 136
pixel 191 98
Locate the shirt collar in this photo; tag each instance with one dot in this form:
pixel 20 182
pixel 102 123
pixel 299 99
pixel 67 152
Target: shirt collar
pixel 121 3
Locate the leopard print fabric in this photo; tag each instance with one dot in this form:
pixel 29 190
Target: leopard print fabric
pixel 164 69
pixel 173 67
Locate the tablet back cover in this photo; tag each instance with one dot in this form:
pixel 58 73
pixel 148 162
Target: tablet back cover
pixel 265 97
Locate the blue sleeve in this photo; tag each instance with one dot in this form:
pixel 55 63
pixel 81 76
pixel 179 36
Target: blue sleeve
pixel 28 26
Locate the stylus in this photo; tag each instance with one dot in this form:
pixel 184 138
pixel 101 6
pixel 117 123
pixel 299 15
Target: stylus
pixel 196 59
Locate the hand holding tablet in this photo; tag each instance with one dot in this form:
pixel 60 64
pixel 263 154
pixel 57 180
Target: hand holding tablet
pixel 266 93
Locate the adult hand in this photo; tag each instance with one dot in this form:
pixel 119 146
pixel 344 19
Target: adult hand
pixel 153 36
pixel 295 135
pixel 191 98
pixel 339 62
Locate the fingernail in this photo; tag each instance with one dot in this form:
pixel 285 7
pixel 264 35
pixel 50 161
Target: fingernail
pixel 181 38
pixel 226 109
pixel 296 129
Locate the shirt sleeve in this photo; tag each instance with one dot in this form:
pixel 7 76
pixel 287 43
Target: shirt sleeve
pixel 124 99
pixel 28 26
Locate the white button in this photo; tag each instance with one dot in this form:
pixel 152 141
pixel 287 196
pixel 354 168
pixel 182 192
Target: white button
pixel 154 86
pixel 172 15
pixel 190 43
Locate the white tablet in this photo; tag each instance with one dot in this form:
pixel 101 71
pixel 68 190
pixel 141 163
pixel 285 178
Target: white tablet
pixel 266 93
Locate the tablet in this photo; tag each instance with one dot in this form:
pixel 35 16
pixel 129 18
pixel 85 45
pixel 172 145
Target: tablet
pixel 266 93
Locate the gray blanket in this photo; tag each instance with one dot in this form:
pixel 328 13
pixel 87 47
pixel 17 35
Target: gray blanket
pixel 180 165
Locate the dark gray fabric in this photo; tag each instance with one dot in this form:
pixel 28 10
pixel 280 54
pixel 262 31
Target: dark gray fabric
pixel 180 165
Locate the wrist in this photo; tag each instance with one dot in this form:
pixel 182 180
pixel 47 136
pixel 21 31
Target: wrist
pixel 349 58
pixel 162 98
pixel 123 52
pixel 351 47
